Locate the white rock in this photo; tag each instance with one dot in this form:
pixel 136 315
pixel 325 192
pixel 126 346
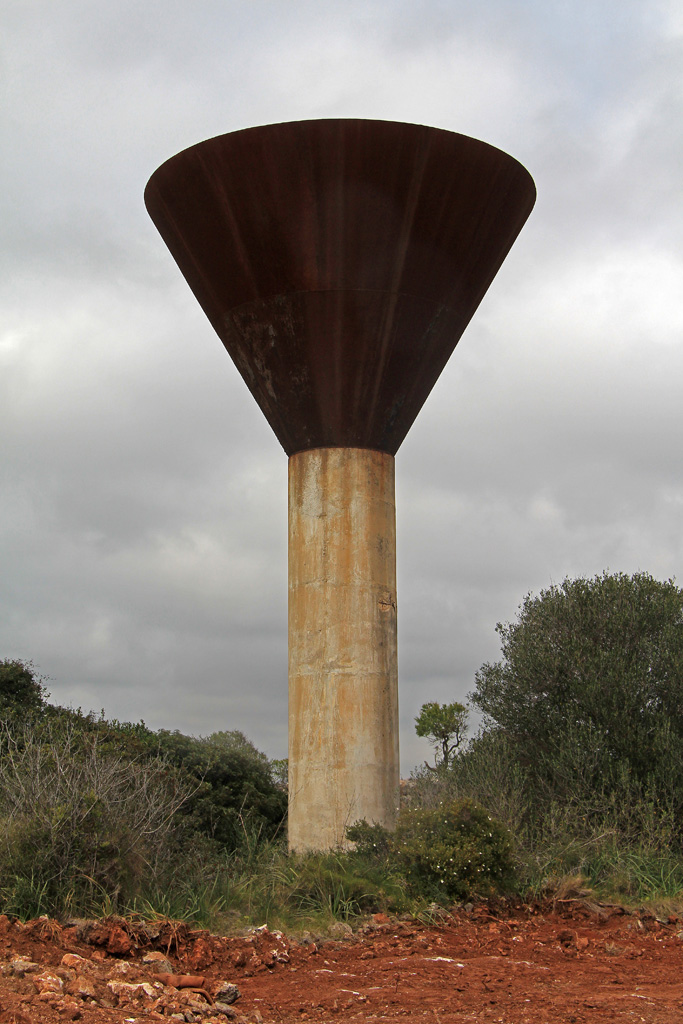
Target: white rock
pixel 21 967
pixel 121 967
pixel 226 992
pixel 48 983
pixel 74 960
pixel 81 986
pixel 157 963
pixel 130 991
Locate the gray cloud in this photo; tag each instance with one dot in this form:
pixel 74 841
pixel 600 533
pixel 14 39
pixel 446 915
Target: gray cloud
pixel 143 510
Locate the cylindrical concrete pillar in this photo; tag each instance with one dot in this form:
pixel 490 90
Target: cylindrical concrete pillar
pixel 343 669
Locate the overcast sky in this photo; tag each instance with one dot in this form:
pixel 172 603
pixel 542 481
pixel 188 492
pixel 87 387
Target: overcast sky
pixel 143 505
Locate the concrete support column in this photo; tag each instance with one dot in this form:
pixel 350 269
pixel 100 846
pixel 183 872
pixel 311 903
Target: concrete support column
pixel 343 669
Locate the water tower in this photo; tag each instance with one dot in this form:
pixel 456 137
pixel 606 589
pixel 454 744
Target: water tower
pixel 339 262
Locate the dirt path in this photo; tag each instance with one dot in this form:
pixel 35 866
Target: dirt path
pixel 546 965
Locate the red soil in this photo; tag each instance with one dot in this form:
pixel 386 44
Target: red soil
pixel 550 965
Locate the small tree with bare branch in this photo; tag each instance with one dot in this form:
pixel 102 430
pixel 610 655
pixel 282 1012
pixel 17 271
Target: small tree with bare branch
pixel 445 725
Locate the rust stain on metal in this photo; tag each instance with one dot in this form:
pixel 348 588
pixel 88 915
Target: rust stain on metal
pixel 339 262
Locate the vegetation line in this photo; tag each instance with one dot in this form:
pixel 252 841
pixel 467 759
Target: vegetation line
pixel 572 787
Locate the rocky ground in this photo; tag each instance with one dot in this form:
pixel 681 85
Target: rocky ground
pixel 567 963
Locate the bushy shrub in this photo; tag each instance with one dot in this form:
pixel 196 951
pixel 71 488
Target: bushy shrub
pixel 454 850
pixel 235 798
pixel 448 851
pixel 97 813
pixel 370 840
pixel 77 819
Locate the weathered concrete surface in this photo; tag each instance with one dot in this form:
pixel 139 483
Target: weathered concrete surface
pixel 343 670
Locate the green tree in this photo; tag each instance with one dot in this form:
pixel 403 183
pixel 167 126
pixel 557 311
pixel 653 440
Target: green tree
pixel 235 792
pixel 279 767
pixel 589 692
pixel 21 690
pixel 445 726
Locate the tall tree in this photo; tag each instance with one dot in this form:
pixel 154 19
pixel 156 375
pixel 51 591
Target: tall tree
pixel 589 688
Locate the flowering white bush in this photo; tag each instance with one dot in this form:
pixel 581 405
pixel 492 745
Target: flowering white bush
pixel 454 850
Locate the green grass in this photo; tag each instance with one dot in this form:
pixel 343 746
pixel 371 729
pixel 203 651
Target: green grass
pixel 25 897
pixel 637 876
pixel 261 883
pixel 310 893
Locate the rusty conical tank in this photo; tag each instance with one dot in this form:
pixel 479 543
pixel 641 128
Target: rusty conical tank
pixel 339 262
